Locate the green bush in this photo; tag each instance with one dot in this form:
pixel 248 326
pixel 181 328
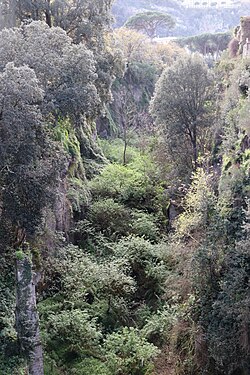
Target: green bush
pixel 128 353
pixel 231 201
pixel 80 275
pixel 110 217
pixel 90 366
pixel 50 366
pixel 86 366
pixel 144 225
pixel 8 334
pixel 158 326
pixel 12 365
pixel 225 315
pixel 118 181
pixel 148 266
pixel 138 185
pixel 113 150
pixel 101 288
pixel 199 206
pixel 78 194
pixel 113 218
pixel 72 333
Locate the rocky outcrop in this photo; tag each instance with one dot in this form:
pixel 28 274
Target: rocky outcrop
pixel 27 316
pixel 242 34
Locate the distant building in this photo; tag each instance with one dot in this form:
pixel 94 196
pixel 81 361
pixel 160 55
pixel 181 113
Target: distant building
pixel 212 3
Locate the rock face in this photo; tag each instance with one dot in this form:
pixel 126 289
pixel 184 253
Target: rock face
pixel 62 209
pixel 27 316
pixel 243 35
pixel 245 29
pixel 246 49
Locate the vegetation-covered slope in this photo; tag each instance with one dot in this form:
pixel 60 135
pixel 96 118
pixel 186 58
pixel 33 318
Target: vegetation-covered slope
pixel 124 200
pixel 189 21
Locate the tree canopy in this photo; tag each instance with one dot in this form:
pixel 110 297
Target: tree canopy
pixel 180 105
pixel 149 22
pixel 213 43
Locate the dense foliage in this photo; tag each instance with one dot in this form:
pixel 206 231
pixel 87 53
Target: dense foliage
pixel 124 200
pixel 149 22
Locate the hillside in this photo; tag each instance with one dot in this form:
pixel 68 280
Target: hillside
pixel 124 196
pixel 189 21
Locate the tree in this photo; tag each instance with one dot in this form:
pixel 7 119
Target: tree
pixel 13 12
pixel 126 114
pixel 137 48
pixel 130 353
pixel 67 75
pixel 181 107
pixel 228 329
pixel 83 20
pixel 207 43
pixel 149 22
pixel 132 44
pixel 25 177
pixel 35 92
pixel 69 15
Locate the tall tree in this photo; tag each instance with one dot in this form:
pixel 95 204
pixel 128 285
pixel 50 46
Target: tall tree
pixel 35 93
pixel 207 43
pixel 149 22
pixel 182 106
pixel 26 173
pixel 67 74
pixel 83 20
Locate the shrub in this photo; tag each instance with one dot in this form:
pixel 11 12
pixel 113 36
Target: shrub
pixel 78 194
pixel 144 225
pixel 8 335
pixel 148 266
pixel 90 366
pixel 137 185
pixel 227 320
pixel 81 275
pixel 50 366
pixel 199 205
pixel 158 326
pixel 113 150
pixel 110 217
pixel 71 333
pixel 128 353
pixel 121 182
pixel 12 366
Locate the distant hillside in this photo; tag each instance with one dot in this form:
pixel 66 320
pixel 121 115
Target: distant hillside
pixel 122 10
pixel 188 21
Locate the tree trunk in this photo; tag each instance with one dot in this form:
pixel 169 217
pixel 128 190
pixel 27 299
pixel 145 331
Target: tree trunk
pixel 194 144
pixel 27 321
pixel 48 14
pixel 124 153
pixel 48 18
pixel 124 128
